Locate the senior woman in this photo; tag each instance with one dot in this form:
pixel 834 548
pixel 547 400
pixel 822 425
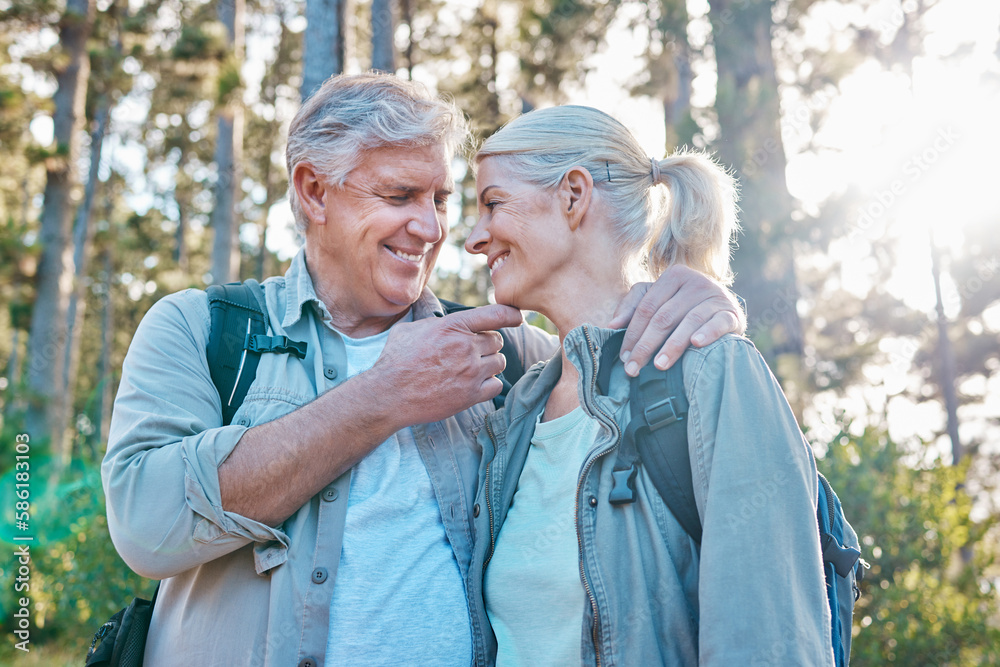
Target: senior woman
pixel 571 213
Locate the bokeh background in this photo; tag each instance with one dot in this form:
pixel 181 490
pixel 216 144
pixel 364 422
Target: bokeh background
pixel 141 145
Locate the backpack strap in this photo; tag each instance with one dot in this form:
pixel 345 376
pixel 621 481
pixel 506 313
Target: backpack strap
pixel 656 435
pixel 843 558
pixel 237 338
pixel 515 367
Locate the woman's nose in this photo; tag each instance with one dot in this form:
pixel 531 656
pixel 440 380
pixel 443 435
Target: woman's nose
pixel 478 239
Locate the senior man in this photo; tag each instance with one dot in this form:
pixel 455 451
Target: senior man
pixel 331 522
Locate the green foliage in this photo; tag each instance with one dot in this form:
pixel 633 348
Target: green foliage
pixel 229 81
pixel 930 597
pixel 77 579
pixel 202 41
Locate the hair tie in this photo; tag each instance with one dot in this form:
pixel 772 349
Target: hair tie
pixel 656 170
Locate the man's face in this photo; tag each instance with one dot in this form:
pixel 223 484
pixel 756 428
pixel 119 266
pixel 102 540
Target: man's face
pixel 382 233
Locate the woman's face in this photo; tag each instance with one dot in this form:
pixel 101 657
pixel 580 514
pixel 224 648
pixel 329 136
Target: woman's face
pixel 519 232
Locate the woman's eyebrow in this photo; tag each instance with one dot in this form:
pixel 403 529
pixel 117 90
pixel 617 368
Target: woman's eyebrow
pixel 482 195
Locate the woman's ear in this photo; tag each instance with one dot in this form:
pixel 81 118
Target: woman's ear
pixel 311 191
pixel 575 190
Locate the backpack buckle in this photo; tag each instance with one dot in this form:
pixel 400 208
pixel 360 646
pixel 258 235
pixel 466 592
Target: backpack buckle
pixel 279 344
pixel 843 558
pixel 623 489
pixel 662 413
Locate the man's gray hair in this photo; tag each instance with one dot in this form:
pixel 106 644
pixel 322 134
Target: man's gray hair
pixel 352 114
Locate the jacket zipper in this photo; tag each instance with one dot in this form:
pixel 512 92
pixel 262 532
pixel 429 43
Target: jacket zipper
pixel 579 486
pixel 489 504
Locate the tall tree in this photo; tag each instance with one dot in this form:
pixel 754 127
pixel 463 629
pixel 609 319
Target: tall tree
pixel 264 136
pixel 556 38
pixel 47 413
pixel 229 148
pixel 383 36
pixel 750 139
pixel 667 75
pixel 323 48
pixel 105 67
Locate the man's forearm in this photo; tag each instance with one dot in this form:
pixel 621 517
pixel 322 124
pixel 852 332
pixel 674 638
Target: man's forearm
pixel 278 466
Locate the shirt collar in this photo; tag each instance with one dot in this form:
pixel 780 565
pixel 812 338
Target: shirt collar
pixel 299 289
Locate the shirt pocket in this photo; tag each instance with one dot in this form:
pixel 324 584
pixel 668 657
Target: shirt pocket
pixel 282 384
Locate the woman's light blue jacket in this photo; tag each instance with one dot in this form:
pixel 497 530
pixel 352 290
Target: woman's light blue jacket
pixel 754 595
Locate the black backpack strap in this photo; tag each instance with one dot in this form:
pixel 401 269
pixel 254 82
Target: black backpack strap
pixel 515 367
pixel 237 338
pixel 656 435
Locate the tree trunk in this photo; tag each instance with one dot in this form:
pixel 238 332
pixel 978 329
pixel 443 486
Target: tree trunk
pixel 406 10
pixel 383 32
pixel 83 234
pixel 678 124
pixel 946 380
pixel 13 374
pixel 46 416
pixel 102 411
pixel 181 200
pixel 229 157
pixel 180 236
pixel 750 140
pixel 323 45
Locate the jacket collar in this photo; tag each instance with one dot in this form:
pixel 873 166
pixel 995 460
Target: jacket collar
pixel 584 346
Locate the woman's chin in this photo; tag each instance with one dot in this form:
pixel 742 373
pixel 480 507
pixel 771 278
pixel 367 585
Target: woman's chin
pixel 505 298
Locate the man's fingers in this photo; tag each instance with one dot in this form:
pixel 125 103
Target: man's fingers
pixel 495 363
pixel 486 318
pixel 704 324
pixel 627 306
pixel 662 323
pixel 492 386
pixel 718 326
pixel 489 342
pixel 654 318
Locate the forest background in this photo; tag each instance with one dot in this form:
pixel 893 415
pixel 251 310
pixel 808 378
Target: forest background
pixel 142 152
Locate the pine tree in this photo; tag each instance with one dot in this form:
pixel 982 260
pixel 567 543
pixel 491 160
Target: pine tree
pixel 229 147
pixel 48 412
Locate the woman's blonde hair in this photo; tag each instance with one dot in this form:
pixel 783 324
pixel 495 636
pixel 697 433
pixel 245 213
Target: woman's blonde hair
pixel 693 222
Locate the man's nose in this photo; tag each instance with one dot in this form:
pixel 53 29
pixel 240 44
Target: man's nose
pixel 428 223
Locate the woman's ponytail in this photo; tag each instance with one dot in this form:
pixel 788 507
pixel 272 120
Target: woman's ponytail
pixel 700 217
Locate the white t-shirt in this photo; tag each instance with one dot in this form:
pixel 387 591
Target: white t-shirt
pixel 399 597
pixel 534 596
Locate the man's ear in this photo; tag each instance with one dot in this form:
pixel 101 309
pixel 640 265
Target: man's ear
pixel 575 190
pixel 310 190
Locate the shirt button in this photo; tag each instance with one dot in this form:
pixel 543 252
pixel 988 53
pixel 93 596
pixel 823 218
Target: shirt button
pixel 244 422
pixel 330 372
pixel 307 662
pixel 330 494
pixel 593 501
pixel 319 575
pixel 475 510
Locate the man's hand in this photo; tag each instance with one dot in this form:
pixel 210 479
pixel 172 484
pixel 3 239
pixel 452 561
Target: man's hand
pixel 429 370
pixel 446 365
pixel 683 304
